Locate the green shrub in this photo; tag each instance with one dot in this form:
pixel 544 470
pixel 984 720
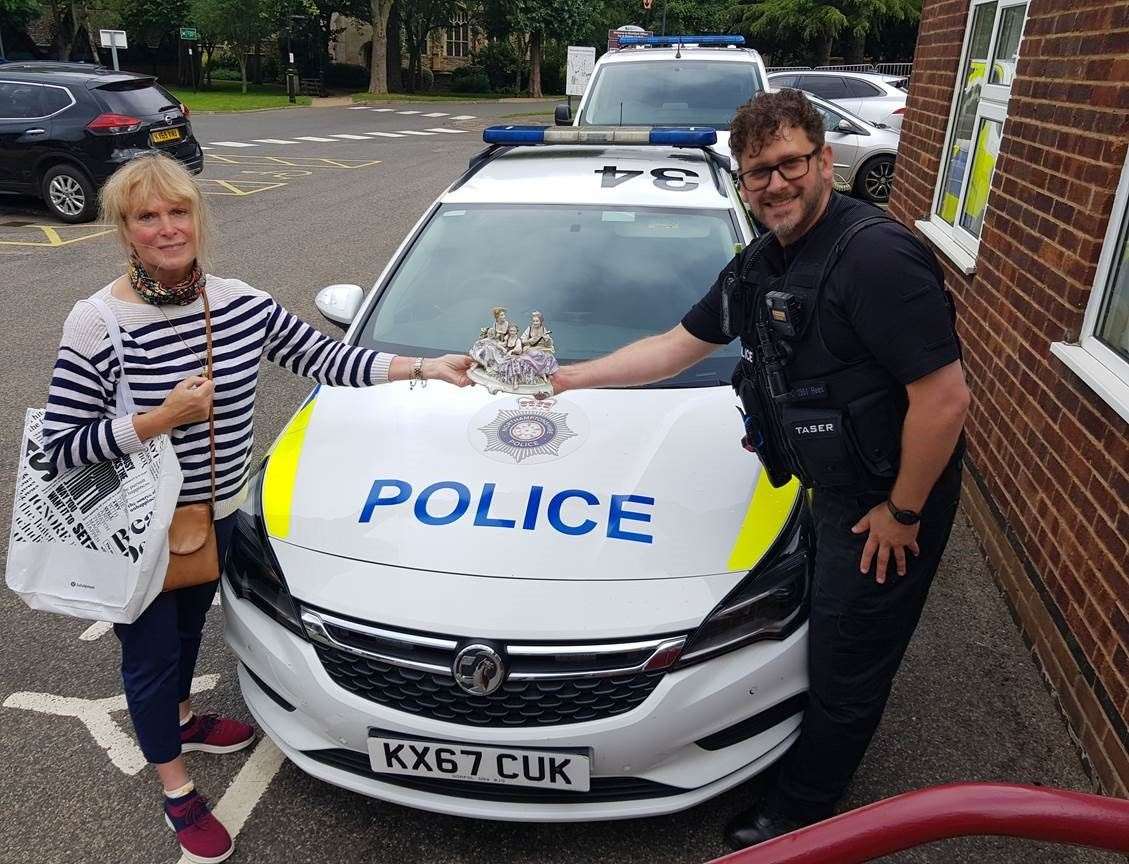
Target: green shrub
pixel 347 76
pixel 500 62
pixel 224 74
pixel 470 79
pixel 554 60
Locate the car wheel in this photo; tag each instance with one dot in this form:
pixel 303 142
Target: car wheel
pixel 876 179
pixel 69 194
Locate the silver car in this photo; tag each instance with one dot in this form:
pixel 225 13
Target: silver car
pixel 864 152
pixel 877 98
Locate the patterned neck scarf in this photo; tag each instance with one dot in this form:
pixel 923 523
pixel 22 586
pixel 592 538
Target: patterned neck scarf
pixel 158 293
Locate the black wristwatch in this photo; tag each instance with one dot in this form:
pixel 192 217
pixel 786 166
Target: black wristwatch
pixel 905 517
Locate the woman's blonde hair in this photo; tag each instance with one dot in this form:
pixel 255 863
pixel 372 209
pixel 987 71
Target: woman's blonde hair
pixel 161 176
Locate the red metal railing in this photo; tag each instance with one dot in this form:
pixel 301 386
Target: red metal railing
pixel 955 810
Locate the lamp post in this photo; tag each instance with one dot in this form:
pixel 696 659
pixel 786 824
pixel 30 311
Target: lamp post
pixel 291 70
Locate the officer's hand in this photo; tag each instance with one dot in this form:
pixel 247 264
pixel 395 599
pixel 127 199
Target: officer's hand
pixel 887 535
pixel 559 380
pixel 451 368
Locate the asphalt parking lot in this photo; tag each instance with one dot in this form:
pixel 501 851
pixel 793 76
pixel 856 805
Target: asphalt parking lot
pixel 308 197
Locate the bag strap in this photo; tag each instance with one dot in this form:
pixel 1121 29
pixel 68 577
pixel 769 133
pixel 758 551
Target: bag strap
pixel 209 373
pixel 123 395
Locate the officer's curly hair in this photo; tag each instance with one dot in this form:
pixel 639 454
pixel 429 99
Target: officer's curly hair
pixel 762 117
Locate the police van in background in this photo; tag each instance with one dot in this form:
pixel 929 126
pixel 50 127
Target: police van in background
pixel 576 608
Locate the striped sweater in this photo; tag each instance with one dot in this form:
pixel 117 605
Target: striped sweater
pixel 247 325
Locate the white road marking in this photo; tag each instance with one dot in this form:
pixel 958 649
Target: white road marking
pixel 382 110
pixel 385 134
pixel 313 138
pixel 247 788
pixel 411 132
pixel 437 114
pixel 407 112
pixel 94 714
pixel 232 144
pixel 347 135
pixel 202 147
pixel 448 131
pixel 358 107
pixel 273 141
pixel 95 631
pixel 463 117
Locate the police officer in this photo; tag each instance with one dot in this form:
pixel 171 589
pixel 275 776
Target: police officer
pixel 851 381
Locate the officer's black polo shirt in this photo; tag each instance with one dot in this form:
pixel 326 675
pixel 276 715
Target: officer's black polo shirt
pixel 881 299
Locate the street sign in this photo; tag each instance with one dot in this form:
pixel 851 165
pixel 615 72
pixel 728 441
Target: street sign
pixel 113 38
pixel 189 34
pixel 581 59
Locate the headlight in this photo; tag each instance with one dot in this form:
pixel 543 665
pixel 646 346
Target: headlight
pixel 769 603
pixel 251 567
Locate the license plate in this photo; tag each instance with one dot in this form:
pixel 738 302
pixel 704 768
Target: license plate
pixel 165 135
pixel 470 762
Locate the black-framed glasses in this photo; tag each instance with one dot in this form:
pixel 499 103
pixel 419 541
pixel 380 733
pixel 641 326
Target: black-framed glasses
pixel 792 168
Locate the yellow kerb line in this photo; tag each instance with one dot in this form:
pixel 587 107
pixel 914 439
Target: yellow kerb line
pixel 53 238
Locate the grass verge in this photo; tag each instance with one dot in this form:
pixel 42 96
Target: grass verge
pixel 227 96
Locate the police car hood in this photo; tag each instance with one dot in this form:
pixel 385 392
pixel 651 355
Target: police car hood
pixel 594 485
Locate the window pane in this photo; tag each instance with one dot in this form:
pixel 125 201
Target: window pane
pixel 980 177
pixel 1113 323
pixel 21 100
pixel 55 99
pixel 860 89
pixel 827 86
pixel 967 104
pixel 1007 45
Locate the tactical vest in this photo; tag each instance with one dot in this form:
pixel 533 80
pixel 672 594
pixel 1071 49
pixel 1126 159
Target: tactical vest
pixel 830 422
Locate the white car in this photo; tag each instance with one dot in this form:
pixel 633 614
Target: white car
pixel 588 607
pixel 875 98
pixel 697 81
pixel 863 153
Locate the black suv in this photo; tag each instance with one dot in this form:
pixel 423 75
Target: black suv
pixel 65 128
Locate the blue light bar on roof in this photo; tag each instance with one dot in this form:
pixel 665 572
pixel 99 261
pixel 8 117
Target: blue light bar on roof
pixel 588 135
pixel 680 40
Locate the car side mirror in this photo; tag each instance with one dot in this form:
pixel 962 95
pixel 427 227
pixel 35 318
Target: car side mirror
pixel 846 127
pixel 563 115
pixel 339 303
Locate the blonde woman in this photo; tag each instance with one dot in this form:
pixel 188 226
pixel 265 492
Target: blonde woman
pixel 163 224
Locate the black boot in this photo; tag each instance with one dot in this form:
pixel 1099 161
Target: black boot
pixel 761 823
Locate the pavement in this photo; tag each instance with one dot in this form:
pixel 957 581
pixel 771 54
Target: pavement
pixel 292 218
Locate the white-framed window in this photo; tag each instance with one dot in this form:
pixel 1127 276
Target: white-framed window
pixel 976 123
pixel 1101 357
pixel 458 36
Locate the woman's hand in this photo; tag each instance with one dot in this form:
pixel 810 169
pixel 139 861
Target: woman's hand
pixel 189 402
pixel 451 368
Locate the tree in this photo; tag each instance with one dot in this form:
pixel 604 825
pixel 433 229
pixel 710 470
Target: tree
pixel 541 20
pixel 241 24
pixel 378 65
pixel 419 18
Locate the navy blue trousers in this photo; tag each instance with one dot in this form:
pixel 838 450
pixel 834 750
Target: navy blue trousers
pixel 858 632
pixel 159 653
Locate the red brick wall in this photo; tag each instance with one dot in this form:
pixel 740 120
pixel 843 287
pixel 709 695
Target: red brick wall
pixel 1049 458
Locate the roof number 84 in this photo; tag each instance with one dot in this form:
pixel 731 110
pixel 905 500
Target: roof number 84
pixel 670 179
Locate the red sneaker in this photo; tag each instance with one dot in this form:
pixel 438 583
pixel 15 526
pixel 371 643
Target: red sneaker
pixel 202 838
pixel 211 733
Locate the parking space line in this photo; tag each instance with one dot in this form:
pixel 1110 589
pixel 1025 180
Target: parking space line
pixel 385 134
pixel 53 239
pixel 95 631
pixel 263 160
pixel 204 147
pixel 407 112
pixel 413 132
pixel 273 141
pixel 448 131
pixel 231 144
pixel 463 117
pixel 247 788
pixel 382 110
pixel 358 107
pixel 437 114
pixel 350 137
pixel 238 190
pixel 313 138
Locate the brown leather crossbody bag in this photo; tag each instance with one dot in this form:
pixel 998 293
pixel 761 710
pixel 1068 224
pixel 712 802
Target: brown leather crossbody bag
pixel 193 552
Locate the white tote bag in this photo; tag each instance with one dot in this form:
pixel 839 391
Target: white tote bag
pixel 92 541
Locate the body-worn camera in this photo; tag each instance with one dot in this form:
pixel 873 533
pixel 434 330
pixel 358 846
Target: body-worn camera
pixel 785 313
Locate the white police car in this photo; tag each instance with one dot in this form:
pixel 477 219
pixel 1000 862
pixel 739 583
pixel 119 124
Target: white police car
pixel 591 607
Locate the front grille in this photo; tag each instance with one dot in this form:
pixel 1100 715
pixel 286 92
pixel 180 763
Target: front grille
pixel 518 703
pixel 602 788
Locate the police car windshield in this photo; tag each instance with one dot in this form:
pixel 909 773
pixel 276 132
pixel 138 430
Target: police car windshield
pixel 670 93
pixel 602 277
